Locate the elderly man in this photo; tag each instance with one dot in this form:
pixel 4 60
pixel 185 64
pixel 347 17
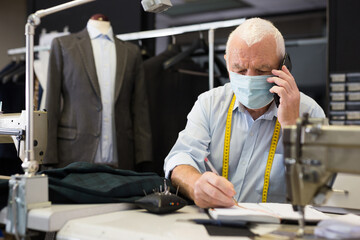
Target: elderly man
pixel 237 127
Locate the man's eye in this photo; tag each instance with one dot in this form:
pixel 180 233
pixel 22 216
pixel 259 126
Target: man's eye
pixel 262 72
pixel 242 71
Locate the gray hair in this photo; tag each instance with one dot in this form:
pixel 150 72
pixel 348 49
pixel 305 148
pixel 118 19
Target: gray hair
pixel 253 30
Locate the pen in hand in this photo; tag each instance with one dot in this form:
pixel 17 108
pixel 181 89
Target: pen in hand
pixel 214 171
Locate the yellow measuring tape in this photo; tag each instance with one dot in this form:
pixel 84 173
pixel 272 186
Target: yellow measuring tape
pixel 270 159
pixel 225 168
pixel 274 140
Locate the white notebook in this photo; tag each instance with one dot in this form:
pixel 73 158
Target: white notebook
pixel 265 213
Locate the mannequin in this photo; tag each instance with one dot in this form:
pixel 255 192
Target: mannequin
pixel 100 22
pixel 104 55
pixel 96 101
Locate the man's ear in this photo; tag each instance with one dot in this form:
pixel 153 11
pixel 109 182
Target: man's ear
pixel 225 57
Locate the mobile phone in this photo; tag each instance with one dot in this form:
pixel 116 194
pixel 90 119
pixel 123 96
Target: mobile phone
pixel 287 62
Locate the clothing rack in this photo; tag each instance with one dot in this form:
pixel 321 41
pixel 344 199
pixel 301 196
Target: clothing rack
pixel 210 27
pixel 179 30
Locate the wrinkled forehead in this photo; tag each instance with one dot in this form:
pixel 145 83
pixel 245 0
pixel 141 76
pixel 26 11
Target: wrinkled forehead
pixel 237 47
pixel 264 49
pixel 235 52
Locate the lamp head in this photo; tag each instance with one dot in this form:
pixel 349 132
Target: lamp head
pixel 156 6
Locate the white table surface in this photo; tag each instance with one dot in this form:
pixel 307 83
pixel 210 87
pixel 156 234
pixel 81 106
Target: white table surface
pixel 350 183
pixel 53 218
pixel 142 225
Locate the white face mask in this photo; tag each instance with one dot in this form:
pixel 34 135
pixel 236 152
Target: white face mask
pixel 251 91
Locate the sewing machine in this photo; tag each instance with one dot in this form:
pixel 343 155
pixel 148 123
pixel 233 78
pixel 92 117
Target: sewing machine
pixel 12 130
pixel 314 152
pixel 21 187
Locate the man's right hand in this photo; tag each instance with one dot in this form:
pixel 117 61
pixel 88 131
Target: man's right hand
pixel 212 190
pixel 206 190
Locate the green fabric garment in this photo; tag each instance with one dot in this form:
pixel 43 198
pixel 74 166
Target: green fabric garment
pixel 83 182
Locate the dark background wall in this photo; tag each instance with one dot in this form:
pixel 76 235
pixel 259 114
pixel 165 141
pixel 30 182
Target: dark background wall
pixel 12 25
pixel 344 35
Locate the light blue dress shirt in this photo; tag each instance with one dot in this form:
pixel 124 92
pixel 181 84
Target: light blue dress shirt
pixel 103 46
pixel 250 141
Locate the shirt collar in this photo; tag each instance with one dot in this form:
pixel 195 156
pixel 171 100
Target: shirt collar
pixel 268 115
pixel 271 112
pixel 94 33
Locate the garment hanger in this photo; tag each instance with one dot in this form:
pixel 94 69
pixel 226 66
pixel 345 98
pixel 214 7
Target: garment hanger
pixel 12 66
pixel 176 47
pixel 173 46
pixel 7 67
pixel 218 61
pixel 19 75
pixel 144 52
pixel 197 44
pixel 9 77
pixel 17 64
pixel 182 55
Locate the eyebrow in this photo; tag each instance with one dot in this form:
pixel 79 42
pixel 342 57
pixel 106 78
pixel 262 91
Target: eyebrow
pixel 237 66
pixel 266 66
pixel 262 67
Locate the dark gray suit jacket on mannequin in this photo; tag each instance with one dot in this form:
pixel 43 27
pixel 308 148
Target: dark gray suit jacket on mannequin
pixel 75 109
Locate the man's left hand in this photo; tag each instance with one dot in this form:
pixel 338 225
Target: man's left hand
pixel 289 95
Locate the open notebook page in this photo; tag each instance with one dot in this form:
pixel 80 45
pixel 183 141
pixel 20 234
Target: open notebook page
pixel 264 212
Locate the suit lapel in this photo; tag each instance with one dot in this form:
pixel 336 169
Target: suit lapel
pixel 121 59
pixel 87 55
